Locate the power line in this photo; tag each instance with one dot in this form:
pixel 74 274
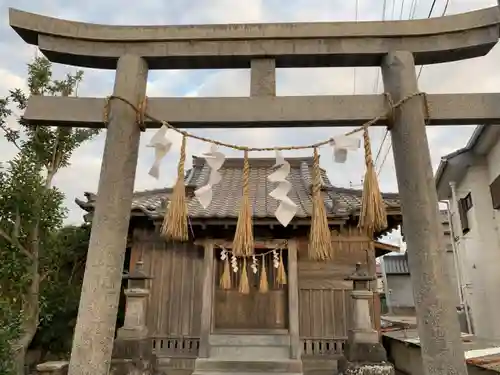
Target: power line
pixel 401 10
pixel 445 9
pixel 375 85
pixel 385 156
pixel 378 71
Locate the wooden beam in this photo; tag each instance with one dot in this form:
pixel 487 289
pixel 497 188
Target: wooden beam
pixel 207 299
pixel 293 300
pixel 258 244
pixel 260 112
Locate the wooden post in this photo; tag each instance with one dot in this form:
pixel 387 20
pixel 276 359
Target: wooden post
pixel 438 328
pixel 293 300
pixel 207 299
pixel 95 327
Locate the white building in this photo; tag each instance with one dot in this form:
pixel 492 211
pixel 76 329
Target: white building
pixel 470 180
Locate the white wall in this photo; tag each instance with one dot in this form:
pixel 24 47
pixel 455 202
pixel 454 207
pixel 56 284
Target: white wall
pixel 479 250
pixel 400 291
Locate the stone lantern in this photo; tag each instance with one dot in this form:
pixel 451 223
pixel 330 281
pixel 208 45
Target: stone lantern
pixel 136 293
pixel 132 349
pixel 364 354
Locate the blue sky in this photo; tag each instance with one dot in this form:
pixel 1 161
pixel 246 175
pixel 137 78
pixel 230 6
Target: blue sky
pixel 478 75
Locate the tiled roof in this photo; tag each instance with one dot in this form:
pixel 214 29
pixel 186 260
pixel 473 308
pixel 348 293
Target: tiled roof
pixel 339 202
pixel 396 264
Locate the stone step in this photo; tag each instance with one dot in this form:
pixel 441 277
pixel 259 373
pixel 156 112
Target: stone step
pixel 203 365
pixel 250 352
pixel 244 373
pixel 327 366
pixel 249 340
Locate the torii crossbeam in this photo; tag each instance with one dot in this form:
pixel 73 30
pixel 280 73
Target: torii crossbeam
pixel 395 46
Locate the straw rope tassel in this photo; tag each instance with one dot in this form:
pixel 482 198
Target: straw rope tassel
pixel 320 244
pixel 264 283
pixel 281 274
pixel 225 279
pixel 175 221
pixel 244 285
pixel 243 244
pixel 373 217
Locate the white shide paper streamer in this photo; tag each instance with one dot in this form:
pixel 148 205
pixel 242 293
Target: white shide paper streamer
pixel 215 160
pixel 223 254
pixel 254 265
pixel 162 145
pixel 234 263
pixel 287 208
pixel 341 145
pixel 276 259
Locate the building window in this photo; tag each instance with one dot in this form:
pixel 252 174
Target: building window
pixel 464 205
pixel 467 202
pixel 495 193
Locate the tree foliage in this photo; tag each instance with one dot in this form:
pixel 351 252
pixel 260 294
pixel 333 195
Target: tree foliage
pixel 31 208
pixel 61 289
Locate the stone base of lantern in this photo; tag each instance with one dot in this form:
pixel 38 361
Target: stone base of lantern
pixel 134 333
pixel 365 358
pixel 365 352
pixel 368 369
pixel 132 357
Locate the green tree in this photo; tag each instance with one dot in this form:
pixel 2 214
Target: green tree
pixel 31 208
pixel 61 290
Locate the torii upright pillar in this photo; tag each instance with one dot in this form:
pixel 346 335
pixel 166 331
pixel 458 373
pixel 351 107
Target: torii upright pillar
pixel 95 326
pixel 438 326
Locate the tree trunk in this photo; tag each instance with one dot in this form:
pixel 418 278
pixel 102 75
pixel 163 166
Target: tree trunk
pixel 31 308
pixel 22 345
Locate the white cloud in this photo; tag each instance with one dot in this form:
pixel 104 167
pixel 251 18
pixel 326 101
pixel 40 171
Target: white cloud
pixel 477 75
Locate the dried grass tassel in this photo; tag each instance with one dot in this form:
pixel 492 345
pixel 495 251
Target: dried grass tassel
pixel 244 285
pixel 264 283
pixel 320 244
pixel 281 273
pixel 243 244
pixel 175 221
pixel 373 216
pixel 225 279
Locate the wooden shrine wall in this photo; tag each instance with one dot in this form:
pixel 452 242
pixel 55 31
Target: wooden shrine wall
pixel 174 304
pixel 324 301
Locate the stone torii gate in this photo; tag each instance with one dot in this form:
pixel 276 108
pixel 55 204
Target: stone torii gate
pixel 394 46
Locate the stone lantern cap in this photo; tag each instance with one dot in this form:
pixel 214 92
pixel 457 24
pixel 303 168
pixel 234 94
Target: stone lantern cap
pixel 138 273
pixel 360 275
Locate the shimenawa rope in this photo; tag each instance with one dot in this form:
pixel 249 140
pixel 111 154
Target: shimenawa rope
pixel 257 149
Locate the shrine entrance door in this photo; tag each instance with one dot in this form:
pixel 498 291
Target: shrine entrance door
pixel 255 310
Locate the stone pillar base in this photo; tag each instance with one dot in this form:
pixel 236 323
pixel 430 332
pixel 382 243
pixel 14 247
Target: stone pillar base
pixel 365 359
pixel 137 333
pixel 131 357
pixel 53 368
pixel 365 352
pixel 368 369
